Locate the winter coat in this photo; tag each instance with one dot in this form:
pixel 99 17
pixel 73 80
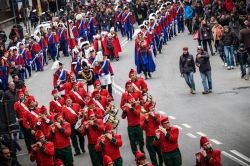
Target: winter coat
pixel 186 64
pixel 203 62
pixel 205 33
pixel 188 12
pixel 242 56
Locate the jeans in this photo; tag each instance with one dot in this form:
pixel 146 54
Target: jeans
pixel 229 53
pixel 243 69
pixel 206 80
pixel 189 78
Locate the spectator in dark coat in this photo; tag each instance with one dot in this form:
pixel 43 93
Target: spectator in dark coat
pixel 187 69
pixel 206 36
pixel 203 63
pixel 19 84
pixel 10 94
pixel 244 36
pixel 242 57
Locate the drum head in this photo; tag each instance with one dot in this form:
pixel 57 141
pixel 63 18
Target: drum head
pixel 106 118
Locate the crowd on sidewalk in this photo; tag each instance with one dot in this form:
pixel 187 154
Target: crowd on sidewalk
pixel 87 32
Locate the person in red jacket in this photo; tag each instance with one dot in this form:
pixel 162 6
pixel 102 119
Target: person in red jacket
pixel 59 133
pixel 101 101
pixel 20 109
pixel 78 95
pixel 27 94
pixel 131 111
pixel 93 128
pixel 107 161
pixel 92 106
pixel 151 122
pixel 167 138
pixel 44 121
pixel 71 112
pixel 103 92
pixel 140 159
pixel 109 144
pixel 131 91
pixel 55 105
pixel 42 150
pixel 207 156
pixel 138 82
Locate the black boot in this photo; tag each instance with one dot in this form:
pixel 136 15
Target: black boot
pixel 149 74
pixel 145 74
pixel 110 89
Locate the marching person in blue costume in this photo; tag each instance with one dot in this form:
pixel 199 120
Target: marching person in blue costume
pixel 80 25
pixel 118 19
pixel 26 57
pixel 144 60
pixel 128 20
pixel 92 23
pixel 64 39
pixel 180 21
pixel 52 44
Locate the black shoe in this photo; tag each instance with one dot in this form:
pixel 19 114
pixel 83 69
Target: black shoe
pixel 83 151
pixel 77 154
pixel 210 91
pixel 205 92
pixel 149 74
pixel 117 59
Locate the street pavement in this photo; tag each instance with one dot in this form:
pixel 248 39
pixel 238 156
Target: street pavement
pixel 222 116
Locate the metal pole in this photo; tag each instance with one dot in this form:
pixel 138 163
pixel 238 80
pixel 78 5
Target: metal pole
pixel 56 6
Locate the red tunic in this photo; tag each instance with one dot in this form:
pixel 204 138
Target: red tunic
pixel 151 124
pixel 136 94
pixel 104 102
pixel 140 84
pixel 93 132
pixel 30 119
pixel 44 124
pixel 61 137
pixel 110 147
pixel 132 115
pixel 71 115
pixel 44 155
pixel 168 142
pixel 79 96
pixel 20 109
pixel 56 106
pixel 213 158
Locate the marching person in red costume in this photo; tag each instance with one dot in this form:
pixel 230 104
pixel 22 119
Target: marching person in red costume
pixel 44 121
pixel 42 150
pixel 116 43
pixel 71 112
pixel 101 101
pixel 141 159
pixel 92 107
pixel 93 128
pixel 207 156
pixel 26 94
pixel 150 122
pixel 103 92
pixel 55 105
pixel 98 43
pixel 78 95
pixel 109 144
pixel 131 91
pixel 138 82
pixel 167 139
pixel 131 111
pixel 59 134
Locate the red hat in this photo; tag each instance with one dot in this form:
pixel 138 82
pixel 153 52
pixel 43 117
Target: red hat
pixel 164 119
pixel 90 113
pixel 58 162
pixel 20 92
pixel 55 91
pixel 72 74
pixel 30 100
pixel 107 160
pixel 203 140
pixel 74 83
pixel 108 127
pixel 95 92
pixel 128 83
pixel 67 98
pixel 97 82
pixel 43 109
pixel 139 155
pixel 38 134
pixel 132 71
pixel 24 88
pixel 57 115
pixel 90 102
pixel 148 105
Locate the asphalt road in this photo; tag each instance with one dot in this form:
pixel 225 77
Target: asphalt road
pixel 222 116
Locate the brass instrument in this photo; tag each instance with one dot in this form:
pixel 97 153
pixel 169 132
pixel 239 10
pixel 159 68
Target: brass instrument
pixel 110 116
pixel 149 99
